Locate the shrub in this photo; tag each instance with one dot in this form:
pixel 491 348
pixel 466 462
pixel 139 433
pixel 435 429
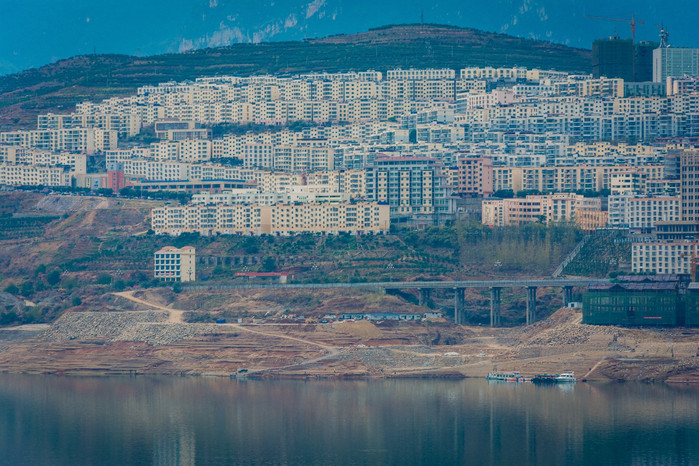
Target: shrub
pixel 104 279
pixel 27 289
pixel 12 289
pixel 53 277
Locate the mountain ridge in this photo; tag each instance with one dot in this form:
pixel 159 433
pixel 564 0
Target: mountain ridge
pixel 58 86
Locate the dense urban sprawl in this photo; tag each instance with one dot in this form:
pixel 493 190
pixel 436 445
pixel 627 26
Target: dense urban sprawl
pixel 359 151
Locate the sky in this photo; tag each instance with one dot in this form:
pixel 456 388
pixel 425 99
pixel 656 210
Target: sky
pixel 37 32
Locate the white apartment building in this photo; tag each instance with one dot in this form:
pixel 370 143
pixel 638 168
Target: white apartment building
pixel 86 140
pixel 671 61
pixel 642 212
pixel 30 156
pixel 125 124
pixel 420 74
pixel 298 194
pixel 278 219
pixel 34 175
pixel 173 264
pixel 674 257
pixel 194 150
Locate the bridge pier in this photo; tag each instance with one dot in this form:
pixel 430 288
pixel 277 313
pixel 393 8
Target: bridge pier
pixel 459 304
pixel 531 305
pixel 494 306
pixel 567 295
pixel 423 296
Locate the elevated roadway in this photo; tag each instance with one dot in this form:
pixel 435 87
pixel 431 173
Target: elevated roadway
pixel 425 287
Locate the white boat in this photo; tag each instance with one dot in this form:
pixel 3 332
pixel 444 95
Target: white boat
pixel 566 377
pixel 505 376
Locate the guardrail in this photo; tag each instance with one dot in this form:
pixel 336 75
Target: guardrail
pixel 411 285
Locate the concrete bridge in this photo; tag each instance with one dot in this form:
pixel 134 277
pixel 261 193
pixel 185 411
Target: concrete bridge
pixel 425 289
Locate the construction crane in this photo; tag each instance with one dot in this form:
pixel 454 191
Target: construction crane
pixel 631 21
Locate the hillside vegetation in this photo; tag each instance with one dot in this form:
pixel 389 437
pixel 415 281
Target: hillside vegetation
pixel 58 251
pixel 59 86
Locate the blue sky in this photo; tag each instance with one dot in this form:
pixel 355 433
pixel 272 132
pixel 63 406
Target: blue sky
pixel 36 32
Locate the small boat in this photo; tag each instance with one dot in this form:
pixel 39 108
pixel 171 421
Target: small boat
pixel 505 376
pixel 566 377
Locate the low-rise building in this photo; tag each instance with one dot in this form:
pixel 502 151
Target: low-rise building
pixel 636 300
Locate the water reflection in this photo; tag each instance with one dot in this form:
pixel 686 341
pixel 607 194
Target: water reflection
pixel 55 420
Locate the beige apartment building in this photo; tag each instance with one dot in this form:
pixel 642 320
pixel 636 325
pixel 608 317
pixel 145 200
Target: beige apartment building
pixel 34 175
pixel 172 264
pixel 87 140
pixel 590 220
pixel 28 156
pixel 126 124
pixel 279 219
pixel 352 182
pixel 553 208
pixel 569 178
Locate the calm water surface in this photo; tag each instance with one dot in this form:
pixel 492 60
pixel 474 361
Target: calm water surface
pixel 169 421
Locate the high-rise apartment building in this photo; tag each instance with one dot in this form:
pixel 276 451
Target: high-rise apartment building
pixel 689 191
pixel 415 188
pixel 670 61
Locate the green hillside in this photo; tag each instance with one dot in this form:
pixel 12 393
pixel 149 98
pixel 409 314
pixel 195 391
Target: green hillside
pixel 59 86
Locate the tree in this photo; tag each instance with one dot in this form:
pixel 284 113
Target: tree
pixel 119 285
pixel 12 289
pixel 104 279
pixel 106 192
pixel 269 264
pixel 139 277
pixel 27 288
pixel 53 278
pixel 251 245
pixel 504 193
pixel 8 318
pixel 77 301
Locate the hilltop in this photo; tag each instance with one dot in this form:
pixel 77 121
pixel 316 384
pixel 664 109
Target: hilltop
pixel 57 87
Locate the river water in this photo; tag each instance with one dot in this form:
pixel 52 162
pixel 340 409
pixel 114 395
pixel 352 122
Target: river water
pixel 48 420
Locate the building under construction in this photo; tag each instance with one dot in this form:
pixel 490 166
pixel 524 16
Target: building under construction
pixel 621 58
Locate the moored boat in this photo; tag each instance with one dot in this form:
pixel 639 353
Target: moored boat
pixel 544 379
pixel 505 376
pixel 566 377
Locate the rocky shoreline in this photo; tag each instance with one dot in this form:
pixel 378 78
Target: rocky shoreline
pixel 152 342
